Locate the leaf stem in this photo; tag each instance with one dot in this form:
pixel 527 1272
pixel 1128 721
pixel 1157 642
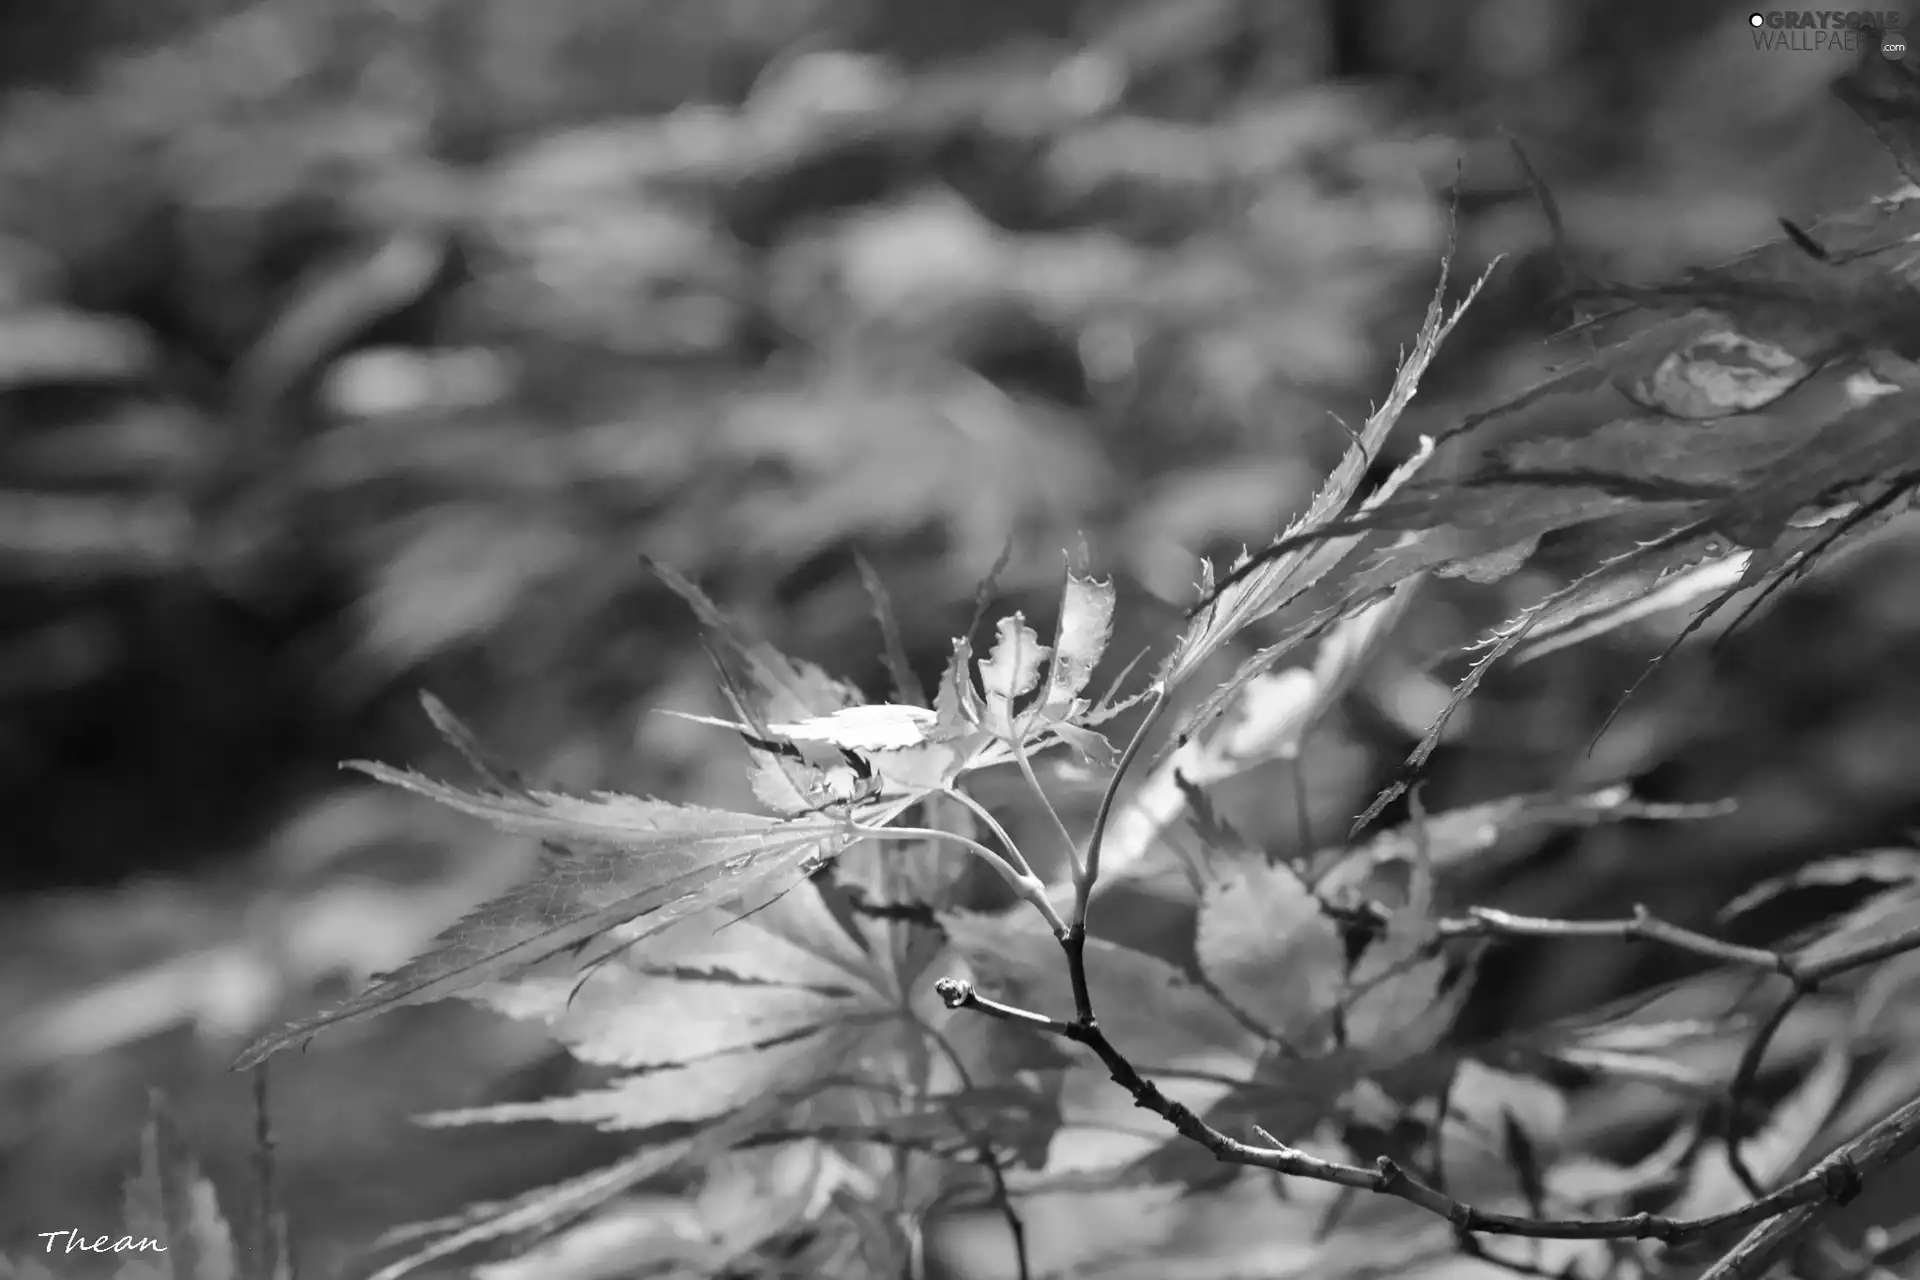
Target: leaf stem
pixel 1026 884
pixel 1088 875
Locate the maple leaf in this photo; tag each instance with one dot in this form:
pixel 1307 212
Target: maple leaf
pixel 783 1001
pixel 639 858
pixel 1154 1012
pixel 782 689
pixel 1269 949
pixel 1309 549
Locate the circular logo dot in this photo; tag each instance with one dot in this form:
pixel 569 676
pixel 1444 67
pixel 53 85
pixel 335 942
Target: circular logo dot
pixel 1894 45
pixel 1756 19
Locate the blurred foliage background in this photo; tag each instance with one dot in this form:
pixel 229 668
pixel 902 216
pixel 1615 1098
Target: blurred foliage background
pixel 354 347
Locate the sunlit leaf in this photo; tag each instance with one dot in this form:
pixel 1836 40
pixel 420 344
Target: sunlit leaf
pixel 638 858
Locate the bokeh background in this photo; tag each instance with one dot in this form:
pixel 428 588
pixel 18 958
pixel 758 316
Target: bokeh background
pixel 350 348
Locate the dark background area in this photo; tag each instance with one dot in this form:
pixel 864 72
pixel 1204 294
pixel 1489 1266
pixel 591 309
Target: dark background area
pixel 350 349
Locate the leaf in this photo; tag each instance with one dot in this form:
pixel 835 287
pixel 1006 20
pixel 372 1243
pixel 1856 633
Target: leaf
pixel 1883 92
pixel 906 685
pixel 1269 950
pixel 644 857
pixel 47 346
pixel 169 1201
pixel 463 740
pixel 1394 1008
pixel 1069 1233
pixel 1693 572
pixel 1457 839
pixel 1717 373
pixel 1882 866
pixel 1258 585
pixel 1497 646
pixel 739 987
pixel 1009 672
pixel 1867 442
pixel 546 1208
pixel 786 1071
pixel 788 689
pixel 1881 919
pixel 887 727
pixel 1154 1012
pixel 1080 639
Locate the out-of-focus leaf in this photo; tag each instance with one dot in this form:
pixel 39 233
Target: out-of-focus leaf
pixel 1877 866
pixel 1881 919
pixel 1269 950
pixel 1773 1153
pixel 169 1201
pixel 31 1268
pixel 49 347
pixel 1156 1014
pixel 544 1208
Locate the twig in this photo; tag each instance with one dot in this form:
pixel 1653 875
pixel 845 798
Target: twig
pixel 989 1159
pixel 1386 1177
pixel 1800 1202
pixel 1892 1139
pixel 1641 926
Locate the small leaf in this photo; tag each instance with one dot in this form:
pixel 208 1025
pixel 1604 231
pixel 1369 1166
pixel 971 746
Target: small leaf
pixel 467 743
pixel 906 685
pixel 1086 624
pixel 957 709
pixel 1010 672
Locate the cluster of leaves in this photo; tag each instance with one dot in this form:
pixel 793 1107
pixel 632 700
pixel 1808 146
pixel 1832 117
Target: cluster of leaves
pixel 761 983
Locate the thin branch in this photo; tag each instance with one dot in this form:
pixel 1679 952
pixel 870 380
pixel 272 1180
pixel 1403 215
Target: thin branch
pixel 1024 882
pixel 1892 1139
pixel 1642 926
pixel 1386 1177
pixel 1090 871
pixel 1801 1201
pixel 989 1158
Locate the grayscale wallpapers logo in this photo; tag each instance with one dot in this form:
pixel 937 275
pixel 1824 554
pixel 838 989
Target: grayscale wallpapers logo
pixel 1812 30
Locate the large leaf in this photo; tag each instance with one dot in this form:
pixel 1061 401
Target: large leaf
pixel 1269 950
pixel 638 858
